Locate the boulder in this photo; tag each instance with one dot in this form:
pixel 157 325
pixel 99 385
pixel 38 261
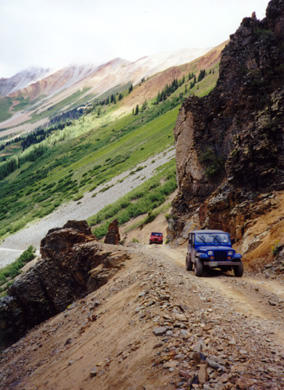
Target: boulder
pixel 113 236
pixel 73 264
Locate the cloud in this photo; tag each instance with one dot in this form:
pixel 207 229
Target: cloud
pixel 55 33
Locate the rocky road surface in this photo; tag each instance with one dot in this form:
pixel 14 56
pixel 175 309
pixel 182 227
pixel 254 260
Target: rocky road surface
pixel 157 326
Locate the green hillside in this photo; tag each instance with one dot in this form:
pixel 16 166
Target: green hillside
pixel 5 105
pixel 68 161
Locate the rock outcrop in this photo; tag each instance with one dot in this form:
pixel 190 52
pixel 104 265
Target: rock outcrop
pixel 230 144
pixel 113 236
pixel 73 264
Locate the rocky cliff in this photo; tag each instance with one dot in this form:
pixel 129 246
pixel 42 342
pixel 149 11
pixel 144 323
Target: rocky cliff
pixel 72 265
pixel 230 144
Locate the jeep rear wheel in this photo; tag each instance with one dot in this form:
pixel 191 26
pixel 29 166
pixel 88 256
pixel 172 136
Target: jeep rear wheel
pixel 198 267
pixel 239 269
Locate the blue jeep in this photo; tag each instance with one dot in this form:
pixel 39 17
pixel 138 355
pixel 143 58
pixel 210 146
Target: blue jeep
pixel 212 249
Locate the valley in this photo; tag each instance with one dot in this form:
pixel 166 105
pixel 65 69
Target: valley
pixel 73 158
pixel 87 206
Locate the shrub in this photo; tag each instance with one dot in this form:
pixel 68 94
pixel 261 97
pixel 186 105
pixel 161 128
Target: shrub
pixel 150 217
pixel 13 269
pixel 214 165
pixel 276 248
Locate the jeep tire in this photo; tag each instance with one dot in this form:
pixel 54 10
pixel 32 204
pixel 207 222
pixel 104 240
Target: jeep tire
pixel 188 264
pixel 239 269
pixel 198 267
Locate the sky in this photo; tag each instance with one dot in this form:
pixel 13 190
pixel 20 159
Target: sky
pixel 57 33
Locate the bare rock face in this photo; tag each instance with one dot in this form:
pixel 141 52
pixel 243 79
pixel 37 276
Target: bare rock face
pixel 113 236
pixel 230 144
pixel 60 240
pixel 81 226
pixel 73 264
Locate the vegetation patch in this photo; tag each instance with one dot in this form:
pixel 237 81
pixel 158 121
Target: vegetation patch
pixel 145 199
pixel 10 271
pixel 5 104
pixel 214 165
pixel 56 108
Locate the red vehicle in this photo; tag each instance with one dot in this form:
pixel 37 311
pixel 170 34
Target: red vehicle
pixel 156 238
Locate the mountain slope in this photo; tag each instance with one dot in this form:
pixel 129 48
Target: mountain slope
pixel 73 159
pixel 21 80
pixel 148 90
pixel 73 83
pixel 55 82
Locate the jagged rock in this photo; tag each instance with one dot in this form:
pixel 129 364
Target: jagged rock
pixel 12 319
pixel 113 236
pixel 161 330
pixel 94 372
pixel 230 143
pixel 81 226
pixel 72 265
pixel 59 241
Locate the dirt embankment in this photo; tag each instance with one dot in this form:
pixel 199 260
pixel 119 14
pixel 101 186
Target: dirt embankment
pixel 157 326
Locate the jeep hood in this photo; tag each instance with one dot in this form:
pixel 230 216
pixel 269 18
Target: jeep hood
pixel 214 248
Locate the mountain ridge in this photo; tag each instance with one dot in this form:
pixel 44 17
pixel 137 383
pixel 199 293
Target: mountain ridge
pixel 22 79
pixel 85 81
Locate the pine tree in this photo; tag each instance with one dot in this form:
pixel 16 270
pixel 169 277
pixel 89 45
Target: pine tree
pixel 144 106
pixel 201 75
pixel 190 76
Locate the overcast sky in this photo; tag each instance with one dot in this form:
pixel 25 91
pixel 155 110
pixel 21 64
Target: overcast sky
pixel 55 33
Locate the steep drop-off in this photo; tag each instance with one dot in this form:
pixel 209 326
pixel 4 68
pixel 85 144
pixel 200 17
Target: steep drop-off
pixel 230 144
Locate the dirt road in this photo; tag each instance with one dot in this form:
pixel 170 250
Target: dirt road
pixel 157 326
pixel 253 296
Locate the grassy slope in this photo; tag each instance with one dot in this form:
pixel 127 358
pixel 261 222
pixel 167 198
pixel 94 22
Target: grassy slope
pixel 86 154
pixel 66 103
pixel 37 188
pixel 5 104
pixel 146 198
pixel 149 89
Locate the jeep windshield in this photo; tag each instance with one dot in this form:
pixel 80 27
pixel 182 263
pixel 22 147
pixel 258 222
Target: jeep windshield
pixel 212 239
